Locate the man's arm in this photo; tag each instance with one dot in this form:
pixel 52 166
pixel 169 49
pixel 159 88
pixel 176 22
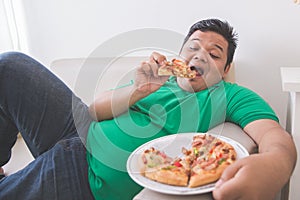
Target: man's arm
pixel 115 102
pixel 262 175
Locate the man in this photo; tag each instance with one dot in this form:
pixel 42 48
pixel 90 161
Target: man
pixel 209 47
pixel 127 117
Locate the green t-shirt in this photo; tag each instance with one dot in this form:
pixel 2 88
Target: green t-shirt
pixel 169 110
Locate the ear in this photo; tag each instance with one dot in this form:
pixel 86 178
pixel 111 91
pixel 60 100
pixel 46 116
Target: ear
pixel 227 68
pixel 229 74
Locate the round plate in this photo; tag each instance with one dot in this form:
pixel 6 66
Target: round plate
pixel 172 146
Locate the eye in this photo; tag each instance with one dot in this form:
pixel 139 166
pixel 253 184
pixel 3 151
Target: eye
pixel 194 48
pixel 214 56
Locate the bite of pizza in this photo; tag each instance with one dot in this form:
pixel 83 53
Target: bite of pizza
pixel 176 68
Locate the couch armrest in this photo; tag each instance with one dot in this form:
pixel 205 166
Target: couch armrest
pixel 234 132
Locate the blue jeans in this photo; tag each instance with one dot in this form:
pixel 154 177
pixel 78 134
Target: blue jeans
pixel 44 110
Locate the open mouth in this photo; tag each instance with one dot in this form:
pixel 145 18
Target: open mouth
pixel 199 71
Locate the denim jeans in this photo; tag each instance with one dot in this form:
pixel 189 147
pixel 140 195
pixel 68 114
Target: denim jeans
pixel 54 124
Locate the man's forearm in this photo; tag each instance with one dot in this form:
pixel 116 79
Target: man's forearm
pixel 274 142
pixel 280 146
pixel 114 102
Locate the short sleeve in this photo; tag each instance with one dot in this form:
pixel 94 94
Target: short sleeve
pixel 245 106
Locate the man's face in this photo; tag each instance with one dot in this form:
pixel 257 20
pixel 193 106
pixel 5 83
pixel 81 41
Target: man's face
pixel 207 53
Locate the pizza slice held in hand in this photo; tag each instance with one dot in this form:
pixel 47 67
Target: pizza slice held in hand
pixel 176 68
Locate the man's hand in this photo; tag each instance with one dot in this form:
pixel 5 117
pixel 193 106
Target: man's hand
pixel 147 80
pixel 262 175
pixel 250 178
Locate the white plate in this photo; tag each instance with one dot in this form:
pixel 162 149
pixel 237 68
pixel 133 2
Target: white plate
pixel 172 146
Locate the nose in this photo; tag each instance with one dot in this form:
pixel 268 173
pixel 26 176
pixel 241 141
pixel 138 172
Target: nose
pixel 201 56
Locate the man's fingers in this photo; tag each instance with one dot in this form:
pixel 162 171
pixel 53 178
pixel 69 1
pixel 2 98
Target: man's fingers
pixel 226 187
pixel 144 68
pixel 228 174
pixel 228 190
pixel 158 58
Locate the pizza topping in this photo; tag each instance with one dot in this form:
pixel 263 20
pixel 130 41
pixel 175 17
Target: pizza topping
pixel 169 167
pixel 221 161
pixel 153 157
pixel 177 164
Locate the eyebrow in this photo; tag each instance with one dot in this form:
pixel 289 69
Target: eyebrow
pixel 216 45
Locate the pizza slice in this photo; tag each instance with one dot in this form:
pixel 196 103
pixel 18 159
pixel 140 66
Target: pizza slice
pixel 160 168
pixel 199 148
pixel 212 158
pixel 153 157
pixel 176 68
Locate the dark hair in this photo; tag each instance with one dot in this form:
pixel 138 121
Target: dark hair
pixel 221 27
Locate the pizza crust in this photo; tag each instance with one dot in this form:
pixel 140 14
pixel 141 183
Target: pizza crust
pixel 165 71
pixel 204 177
pixel 177 177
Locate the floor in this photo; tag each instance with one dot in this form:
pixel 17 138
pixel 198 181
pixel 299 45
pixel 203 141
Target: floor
pixel 21 156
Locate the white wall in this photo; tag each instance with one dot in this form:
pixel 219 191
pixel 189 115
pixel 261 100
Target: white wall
pixel 268 32
pixel 5 37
